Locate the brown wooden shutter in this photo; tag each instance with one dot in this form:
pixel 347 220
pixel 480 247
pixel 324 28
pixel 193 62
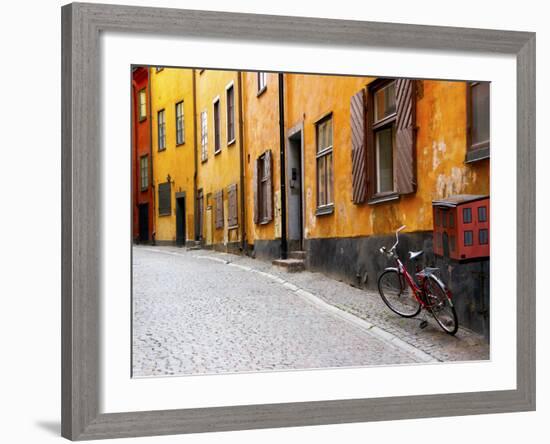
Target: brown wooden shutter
pixel 256 191
pixel 219 209
pixel 269 194
pixel 232 217
pixel 405 155
pixel 358 148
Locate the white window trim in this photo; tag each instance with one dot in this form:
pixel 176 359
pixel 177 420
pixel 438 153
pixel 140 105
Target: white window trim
pixel 204 136
pixel 182 101
pixel 227 88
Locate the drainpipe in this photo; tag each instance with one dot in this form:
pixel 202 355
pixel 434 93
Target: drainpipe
pixel 284 245
pixel 135 157
pixel 150 106
pixel 195 156
pixel 241 155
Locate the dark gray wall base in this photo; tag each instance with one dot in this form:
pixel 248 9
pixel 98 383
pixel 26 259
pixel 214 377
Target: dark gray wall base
pixel 358 262
pixel 265 249
pixel 231 247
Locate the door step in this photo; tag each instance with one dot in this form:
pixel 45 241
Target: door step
pixel 291 265
pixel 297 255
pixel 193 245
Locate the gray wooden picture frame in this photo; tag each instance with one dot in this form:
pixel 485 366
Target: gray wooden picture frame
pixel 81 244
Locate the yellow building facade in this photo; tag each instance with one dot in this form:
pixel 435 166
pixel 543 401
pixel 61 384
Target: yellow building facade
pixel 173 141
pixel 219 158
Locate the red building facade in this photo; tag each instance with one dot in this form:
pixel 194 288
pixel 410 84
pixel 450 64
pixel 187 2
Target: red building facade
pixel 142 168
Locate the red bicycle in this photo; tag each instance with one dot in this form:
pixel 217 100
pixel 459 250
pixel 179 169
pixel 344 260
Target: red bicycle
pixel 401 293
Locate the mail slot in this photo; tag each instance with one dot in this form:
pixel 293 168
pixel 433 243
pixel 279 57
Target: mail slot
pixel 461 227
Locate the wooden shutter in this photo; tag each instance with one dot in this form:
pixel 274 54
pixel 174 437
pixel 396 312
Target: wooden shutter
pixel 232 217
pixel 165 194
pixel 405 152
pixel 269 194
pixel 256 191
pixel 219 209
pixel 358 148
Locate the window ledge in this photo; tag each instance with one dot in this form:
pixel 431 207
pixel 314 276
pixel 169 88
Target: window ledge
pixel 217 152
pixel 142 119
pixel 383 197
pixel 264 221
pixel 231 142
pixel 204 160
pixel 180 144
pixel 165 214
pixel 477 154
pixel 233 227
pixel 324 210
pixel 261 91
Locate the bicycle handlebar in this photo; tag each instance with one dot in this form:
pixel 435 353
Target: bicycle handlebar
pixel 391 250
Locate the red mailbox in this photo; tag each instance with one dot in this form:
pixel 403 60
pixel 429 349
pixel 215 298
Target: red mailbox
pixel 461 227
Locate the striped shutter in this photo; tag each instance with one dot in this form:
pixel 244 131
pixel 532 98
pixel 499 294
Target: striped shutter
pixel 405 155
pixel 219 209
pixel 358 148
pixel 269 194
pixel 232 217
pixel 256 191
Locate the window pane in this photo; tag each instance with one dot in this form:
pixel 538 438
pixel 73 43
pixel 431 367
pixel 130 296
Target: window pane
pixel 321 179
pixel 467 215
pixel 384 160
pixel 384 102
pixel 217 145
pixel 483 236
pixel 329 184
pixel 482 214
pixel 468 238
pixel 480 112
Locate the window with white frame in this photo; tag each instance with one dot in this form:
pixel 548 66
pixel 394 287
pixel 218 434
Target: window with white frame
pixel 144 172
pixel 230 96
pixel 180 134
pixel 325 178
pixel 161 130
pixel 204 136
pixel 142 105
pixel 217 139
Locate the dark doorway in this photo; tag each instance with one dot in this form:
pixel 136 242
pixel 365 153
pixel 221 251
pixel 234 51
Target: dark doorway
pixel 180 221
pixel 295 198
pixel 199 216
pixel 143 222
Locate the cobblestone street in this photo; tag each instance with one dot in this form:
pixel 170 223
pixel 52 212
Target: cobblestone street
pixel 200 311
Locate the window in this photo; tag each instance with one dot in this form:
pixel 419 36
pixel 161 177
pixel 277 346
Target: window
pixel 389 125
pixel 180 131
pixel 161 131
pixel 144 172
pixel 468 238
pixel 384 136
pixel 483 236
pixel 262 82
pixel 159 68
pixel 444 219
pixel 165 199
pixel 204 136
pixel 467 215
pixel 482 214
pixel 451 220
pixel 230 93
pixel 324 165
pixel 142 105
pixel 478 106
pixel 263 198
pixel 217 143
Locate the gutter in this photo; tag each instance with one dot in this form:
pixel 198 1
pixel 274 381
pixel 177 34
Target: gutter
pixel 284 244
pixel 195 156
pixel 241 156
pixel 149 95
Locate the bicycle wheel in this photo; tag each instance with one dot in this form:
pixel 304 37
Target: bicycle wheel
pixel 440 305
pixel 397 295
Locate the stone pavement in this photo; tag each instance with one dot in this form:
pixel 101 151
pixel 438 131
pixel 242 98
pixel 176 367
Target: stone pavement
pixel 208 312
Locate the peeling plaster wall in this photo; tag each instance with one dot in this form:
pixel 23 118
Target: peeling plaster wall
pixel 441 151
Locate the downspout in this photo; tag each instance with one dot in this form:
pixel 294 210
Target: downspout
pixel 135 158
pixel 149 95
pixel 284 245
pixel 195 157
pixel 241 156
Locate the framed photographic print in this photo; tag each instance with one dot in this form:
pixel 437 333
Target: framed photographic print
pixel 278 221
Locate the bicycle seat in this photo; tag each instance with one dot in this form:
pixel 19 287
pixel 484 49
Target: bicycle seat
pixel 415 254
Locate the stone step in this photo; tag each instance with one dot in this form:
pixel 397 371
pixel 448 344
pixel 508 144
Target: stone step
pixel 297 255
pixel 193 245
pixel 291 265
